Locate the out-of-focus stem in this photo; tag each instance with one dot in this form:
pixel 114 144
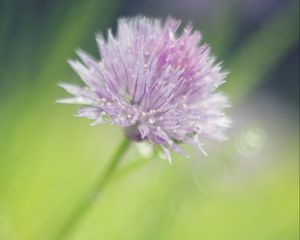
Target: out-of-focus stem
pixel 88 201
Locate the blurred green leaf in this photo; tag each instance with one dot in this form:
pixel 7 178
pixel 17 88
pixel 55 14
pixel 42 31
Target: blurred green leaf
pixel 261 52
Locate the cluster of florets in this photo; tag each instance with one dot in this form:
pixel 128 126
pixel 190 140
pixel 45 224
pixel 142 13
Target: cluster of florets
pixel 157 83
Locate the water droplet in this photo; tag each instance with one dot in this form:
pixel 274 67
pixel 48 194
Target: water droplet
pixel 145 149
pixel 151 120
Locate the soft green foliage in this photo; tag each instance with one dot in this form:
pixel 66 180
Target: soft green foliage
pixel 246 189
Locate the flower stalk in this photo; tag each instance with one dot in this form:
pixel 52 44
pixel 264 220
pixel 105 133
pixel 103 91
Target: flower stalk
pixel 88 201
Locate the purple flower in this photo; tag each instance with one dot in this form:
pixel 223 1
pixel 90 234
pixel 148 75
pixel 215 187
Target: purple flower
pixel 157 83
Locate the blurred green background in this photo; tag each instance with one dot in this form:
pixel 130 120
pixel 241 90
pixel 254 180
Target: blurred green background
pixel 246 189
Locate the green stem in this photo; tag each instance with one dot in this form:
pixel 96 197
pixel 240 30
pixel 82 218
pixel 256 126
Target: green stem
pixel 91 197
